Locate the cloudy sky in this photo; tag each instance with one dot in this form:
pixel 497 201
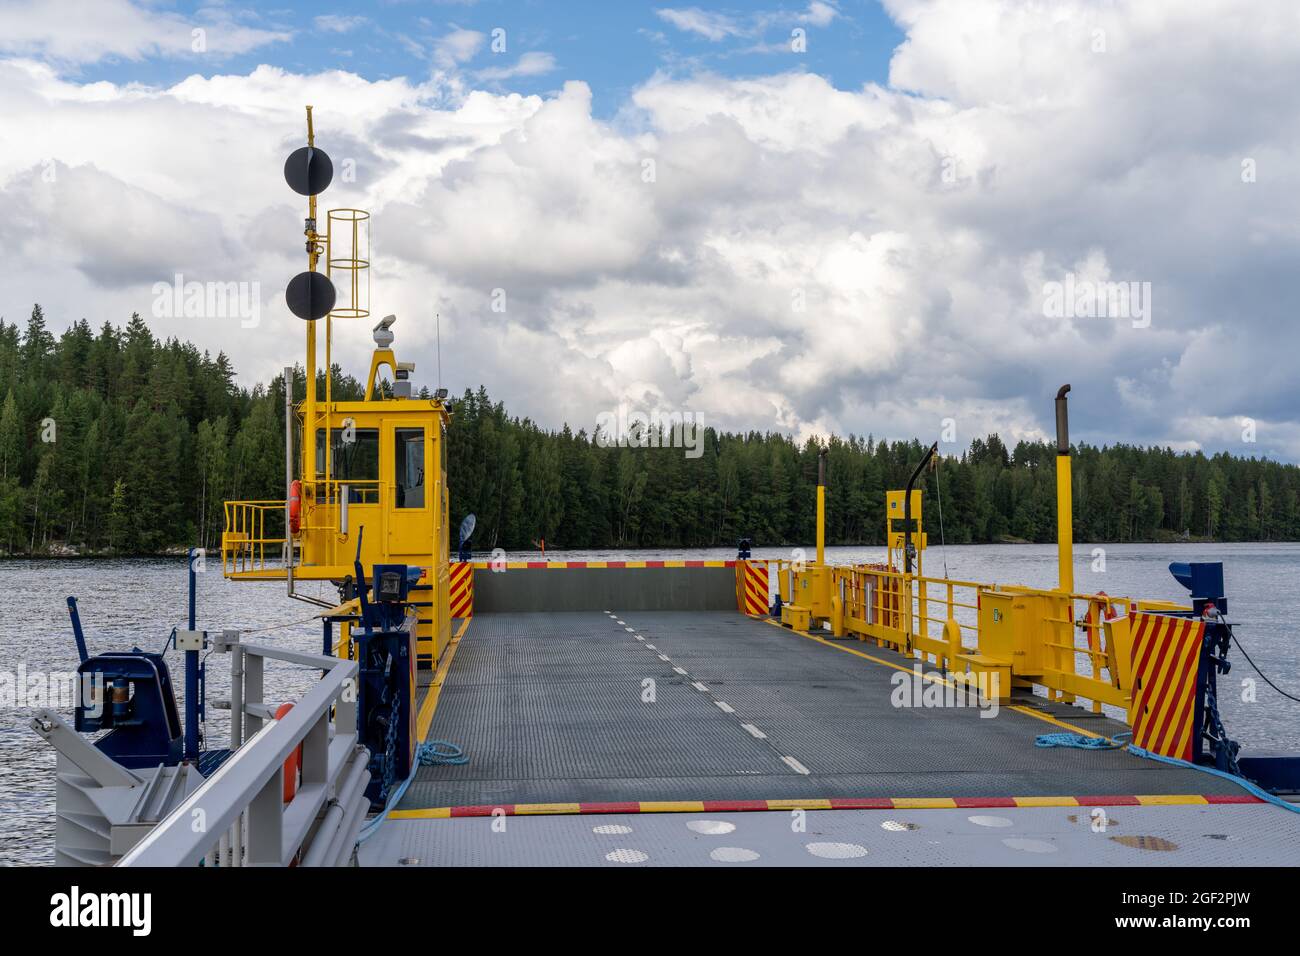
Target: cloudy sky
pixel 841 215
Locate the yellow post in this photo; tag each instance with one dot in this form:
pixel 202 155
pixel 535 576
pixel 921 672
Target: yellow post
pixel 1064 505
pixel 821 507
pixel 1064 525
pixel 821 524
pixel 1064 540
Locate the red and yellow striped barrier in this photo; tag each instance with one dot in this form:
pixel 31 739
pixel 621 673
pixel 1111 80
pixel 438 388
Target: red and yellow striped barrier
pixel 752 588
pixel 1166 654
pixel 833 803
pixel 462 589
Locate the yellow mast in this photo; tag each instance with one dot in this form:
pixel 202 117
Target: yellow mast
pixel 309 403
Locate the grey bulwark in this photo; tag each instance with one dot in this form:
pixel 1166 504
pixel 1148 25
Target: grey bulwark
pixel 594 589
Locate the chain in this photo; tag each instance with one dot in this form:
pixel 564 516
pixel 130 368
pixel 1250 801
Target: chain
pixel 390 749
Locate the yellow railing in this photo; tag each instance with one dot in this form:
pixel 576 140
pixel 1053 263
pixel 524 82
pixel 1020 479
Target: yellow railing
pixel 253 541
pixel 1068 646
pixel 1071 645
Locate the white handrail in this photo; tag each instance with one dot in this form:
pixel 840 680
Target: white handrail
pixel 238 816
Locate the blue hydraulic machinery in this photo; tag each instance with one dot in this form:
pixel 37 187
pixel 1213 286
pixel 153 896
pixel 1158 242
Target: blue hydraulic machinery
pixel 385 639
pixel 1211 745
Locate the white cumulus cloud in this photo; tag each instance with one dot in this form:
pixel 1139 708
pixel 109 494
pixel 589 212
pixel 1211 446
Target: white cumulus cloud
pixel 769 252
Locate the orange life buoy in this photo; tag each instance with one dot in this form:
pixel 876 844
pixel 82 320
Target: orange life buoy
pixel 295 506
pixel 294 762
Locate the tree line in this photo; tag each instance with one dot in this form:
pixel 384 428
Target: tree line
pixel 114 441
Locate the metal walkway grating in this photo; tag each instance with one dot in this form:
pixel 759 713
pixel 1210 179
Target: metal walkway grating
pixel 549 708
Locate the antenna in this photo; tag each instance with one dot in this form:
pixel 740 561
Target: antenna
pixel 437 325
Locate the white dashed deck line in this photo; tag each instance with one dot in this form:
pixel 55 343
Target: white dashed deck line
pixel 754 731
pixel 700 687
pixel 680 670
pixel 665 657
pixel 725 707
pixel 796 766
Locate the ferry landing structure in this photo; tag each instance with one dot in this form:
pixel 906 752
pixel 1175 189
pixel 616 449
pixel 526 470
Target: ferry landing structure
pixel 704 713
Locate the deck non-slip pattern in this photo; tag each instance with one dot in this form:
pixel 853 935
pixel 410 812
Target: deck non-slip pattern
pixel 1201 836
pixel 572 707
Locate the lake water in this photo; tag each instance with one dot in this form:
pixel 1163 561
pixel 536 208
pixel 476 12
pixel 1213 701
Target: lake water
pixel 137 602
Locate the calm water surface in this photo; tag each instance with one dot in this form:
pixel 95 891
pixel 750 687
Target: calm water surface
pixel 137 602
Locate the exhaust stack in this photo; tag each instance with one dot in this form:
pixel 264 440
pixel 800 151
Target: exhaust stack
pixel 1064 504
pixel 821 506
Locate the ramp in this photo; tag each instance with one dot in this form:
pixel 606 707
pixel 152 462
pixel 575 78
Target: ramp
pixel 762 747
pixel 636 707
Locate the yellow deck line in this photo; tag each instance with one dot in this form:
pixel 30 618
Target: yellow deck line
pixel 1166 800
pixel 673 806
pixel 1029 711
pixel 544 809
pixel 429 813
pixel 424 719
pixel 798 804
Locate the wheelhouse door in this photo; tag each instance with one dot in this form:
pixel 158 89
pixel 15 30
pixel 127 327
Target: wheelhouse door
pixel 410 518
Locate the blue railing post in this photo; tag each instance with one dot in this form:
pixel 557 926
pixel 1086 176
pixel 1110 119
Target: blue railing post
pixel 76 630
pixel 192 692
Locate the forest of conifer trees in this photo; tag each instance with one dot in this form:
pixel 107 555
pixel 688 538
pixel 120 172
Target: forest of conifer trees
pixel 115 442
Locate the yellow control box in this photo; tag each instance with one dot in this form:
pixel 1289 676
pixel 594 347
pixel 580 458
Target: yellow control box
pixel 1010 625
pixel 796 616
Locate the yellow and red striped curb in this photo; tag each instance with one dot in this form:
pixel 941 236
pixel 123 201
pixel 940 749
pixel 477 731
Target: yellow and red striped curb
pixel 833 803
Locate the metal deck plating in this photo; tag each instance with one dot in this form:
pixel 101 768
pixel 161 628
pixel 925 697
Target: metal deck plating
pixel 555 713
pixel 1038 836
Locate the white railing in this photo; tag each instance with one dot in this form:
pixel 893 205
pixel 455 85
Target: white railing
pixel 238 816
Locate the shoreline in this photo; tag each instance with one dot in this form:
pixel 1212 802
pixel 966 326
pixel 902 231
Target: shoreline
pixel 180 552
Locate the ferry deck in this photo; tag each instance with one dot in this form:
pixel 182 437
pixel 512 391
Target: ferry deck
pixel 751 722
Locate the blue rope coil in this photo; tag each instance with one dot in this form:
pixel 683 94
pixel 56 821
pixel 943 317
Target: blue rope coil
pixel 441 753
pixel 1079 741
pixel 432 753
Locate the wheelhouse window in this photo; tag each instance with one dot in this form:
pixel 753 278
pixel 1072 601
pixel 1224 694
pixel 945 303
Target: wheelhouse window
pixel 354 456
pixel 408 445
